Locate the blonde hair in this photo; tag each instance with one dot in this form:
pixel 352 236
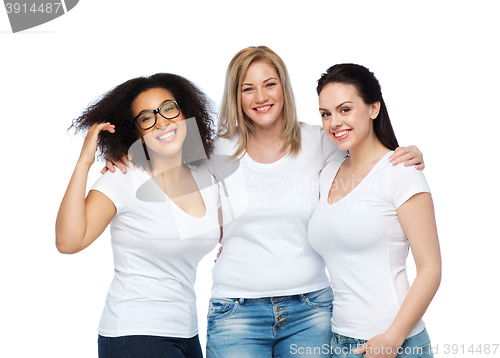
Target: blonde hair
pixel 232 115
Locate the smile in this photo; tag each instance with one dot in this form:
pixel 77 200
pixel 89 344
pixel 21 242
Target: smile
pixel 263 108
pixel 168 136
pixel 340 135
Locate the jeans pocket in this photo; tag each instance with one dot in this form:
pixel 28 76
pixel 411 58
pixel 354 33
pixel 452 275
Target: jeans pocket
pixel 103 347
pixel 424 351
pixel 321 300
pixel 343 347
pixel 220 309
pixel 418 346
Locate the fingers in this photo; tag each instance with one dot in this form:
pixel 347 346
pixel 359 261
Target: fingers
pixel 127 161
pixel 119 165
pixel 105 127
pixel 360 349
pixel 109 166
pixel 394 155
pixel 97 127
pixel 403 158
pixel 414 162
pixel 122 164
pixel 411 162
pixel 110 128
pixel 410 156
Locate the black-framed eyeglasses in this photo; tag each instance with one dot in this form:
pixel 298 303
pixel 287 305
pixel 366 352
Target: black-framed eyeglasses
pixel 168 110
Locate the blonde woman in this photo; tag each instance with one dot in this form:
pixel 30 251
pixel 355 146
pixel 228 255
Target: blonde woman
pixel 271 296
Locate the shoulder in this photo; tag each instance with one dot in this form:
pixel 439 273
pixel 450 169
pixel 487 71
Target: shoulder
pixel 311 130
pixel 402 182
pixel 226 146
pixel 115 177
pixel 312 137
pixel 316 140
pixel 120 180
pixel 400 172
pixel 121 188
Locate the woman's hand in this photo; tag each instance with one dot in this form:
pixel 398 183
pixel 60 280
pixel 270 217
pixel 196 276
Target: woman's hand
pixel 409 155
pixel 121 164
pixel 380 346
pixel 87 155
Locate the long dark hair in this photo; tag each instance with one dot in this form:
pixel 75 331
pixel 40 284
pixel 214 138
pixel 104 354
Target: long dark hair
pixel 368 88
pixel 115 107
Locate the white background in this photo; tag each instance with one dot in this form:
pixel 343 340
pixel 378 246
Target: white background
pixel 437 61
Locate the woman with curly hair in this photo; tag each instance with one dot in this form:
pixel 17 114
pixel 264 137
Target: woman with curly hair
pixel 163 216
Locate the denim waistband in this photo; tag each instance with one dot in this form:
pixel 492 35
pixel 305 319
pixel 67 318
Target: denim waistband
pixel 276 299
pixel 417 340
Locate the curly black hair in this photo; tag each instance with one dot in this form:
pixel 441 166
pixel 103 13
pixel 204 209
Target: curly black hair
pixel 115 107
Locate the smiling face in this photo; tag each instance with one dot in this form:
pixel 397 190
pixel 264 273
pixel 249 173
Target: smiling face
pixel 262 95
pixel 165 138
pixel 347 120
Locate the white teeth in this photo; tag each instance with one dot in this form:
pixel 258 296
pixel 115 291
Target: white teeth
pixel 166 136
pixel 260 109
pixel 340 134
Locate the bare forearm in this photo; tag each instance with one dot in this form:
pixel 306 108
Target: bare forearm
pixel 415 304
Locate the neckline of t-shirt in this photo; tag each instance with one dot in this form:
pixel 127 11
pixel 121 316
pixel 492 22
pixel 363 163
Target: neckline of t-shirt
pixel 360 183
pixel 194 173
pixel 265 165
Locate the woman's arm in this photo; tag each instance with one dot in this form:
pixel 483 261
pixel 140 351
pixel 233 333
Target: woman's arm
pixel 221 224
pixel 80 221
pixel 409 155
pixel 417 219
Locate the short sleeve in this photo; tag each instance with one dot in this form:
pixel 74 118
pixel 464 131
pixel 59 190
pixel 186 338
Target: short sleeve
pixel 403 183
pixel 226 146
pixel 118 187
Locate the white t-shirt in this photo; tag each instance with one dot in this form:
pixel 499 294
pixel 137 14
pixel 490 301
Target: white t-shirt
pixel 156 249
pixel 365 247
pixel 265 248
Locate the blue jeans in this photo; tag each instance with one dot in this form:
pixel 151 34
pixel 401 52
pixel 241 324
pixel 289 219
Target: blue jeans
pixel 418 346
pixel 149 347
pixel 271 327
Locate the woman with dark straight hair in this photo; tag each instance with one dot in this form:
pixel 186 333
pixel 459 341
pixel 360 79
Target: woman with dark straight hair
pixel 368 88
pixel 368 215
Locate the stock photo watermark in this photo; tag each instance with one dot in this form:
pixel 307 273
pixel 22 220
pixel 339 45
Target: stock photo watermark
pixel 451 349
pixel 25 15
